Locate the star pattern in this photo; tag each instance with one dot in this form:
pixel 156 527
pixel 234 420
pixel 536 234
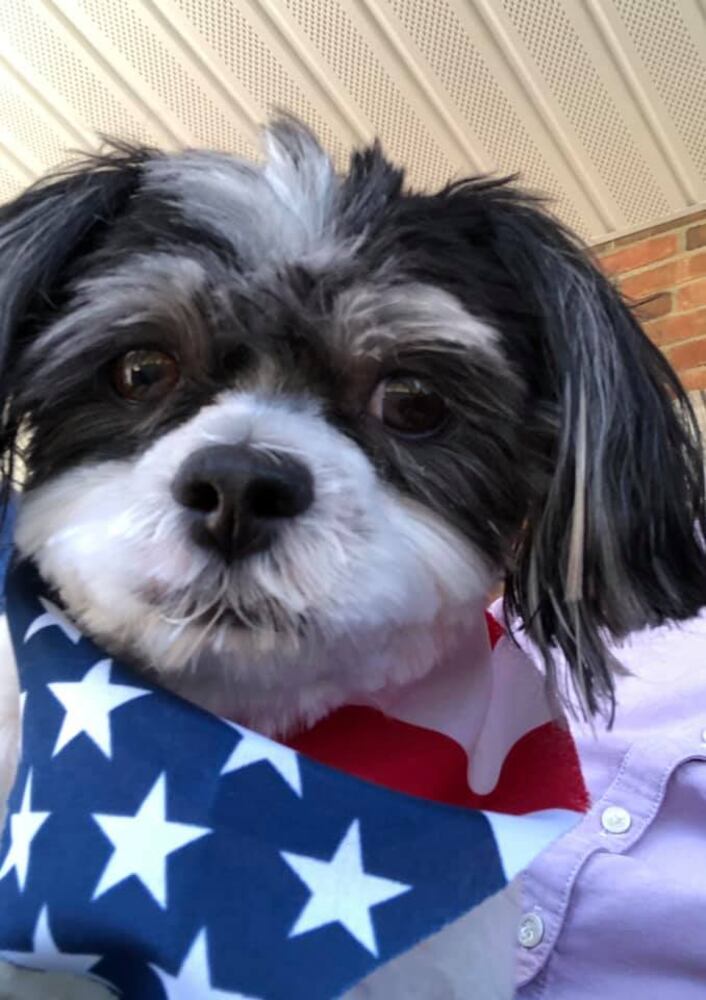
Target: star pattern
pixel 88 704
pixel 143 842
pixel 269 900
pixel 24 827
pixel 193 978
pixel 253 748
pixel 52 616
pixel 341 891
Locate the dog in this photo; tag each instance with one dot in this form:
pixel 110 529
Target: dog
pixel 282 427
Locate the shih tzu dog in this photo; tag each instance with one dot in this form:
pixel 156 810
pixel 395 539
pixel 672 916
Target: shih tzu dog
pixel 281 427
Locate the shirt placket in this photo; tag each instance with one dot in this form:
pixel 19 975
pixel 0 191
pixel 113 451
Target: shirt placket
pixel 614 824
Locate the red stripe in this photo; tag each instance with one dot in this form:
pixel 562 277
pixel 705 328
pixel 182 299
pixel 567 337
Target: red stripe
pixel 541 770
pixel 495 629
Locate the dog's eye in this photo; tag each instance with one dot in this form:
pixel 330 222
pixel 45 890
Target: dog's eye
pixel 145 376
pixel 408 405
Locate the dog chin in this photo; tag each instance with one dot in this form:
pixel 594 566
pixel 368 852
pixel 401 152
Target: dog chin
pixel 277 684
pixel 278 641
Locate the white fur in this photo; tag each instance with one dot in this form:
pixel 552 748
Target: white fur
pixel 383 584
pixel 167 290
pixel 372 318
pixel 281 212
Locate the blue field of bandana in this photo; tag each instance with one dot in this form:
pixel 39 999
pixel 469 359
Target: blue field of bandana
pixel 174 855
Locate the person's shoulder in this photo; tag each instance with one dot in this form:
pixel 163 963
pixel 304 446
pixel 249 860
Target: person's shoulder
pixel 671 642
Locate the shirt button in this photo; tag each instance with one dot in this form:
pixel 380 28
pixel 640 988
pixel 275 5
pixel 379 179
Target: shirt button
pixel 615 819
pixel 531 930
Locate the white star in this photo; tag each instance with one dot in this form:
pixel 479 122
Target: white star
pixel 253 748
pixel 46 956
pixel 52 616
pixel 341 892
pixel 24 826
pixel 142 843
pixel 88 704
pixel 193 978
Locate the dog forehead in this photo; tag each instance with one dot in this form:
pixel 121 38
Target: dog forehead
pixel 278 212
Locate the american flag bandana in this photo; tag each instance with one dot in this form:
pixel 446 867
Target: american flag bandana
pixel 172 854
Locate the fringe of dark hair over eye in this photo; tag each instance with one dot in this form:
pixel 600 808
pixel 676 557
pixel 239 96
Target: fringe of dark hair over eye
pixel 615 542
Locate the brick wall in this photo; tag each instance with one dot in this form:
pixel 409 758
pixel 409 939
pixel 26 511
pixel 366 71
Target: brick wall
pixel 665 268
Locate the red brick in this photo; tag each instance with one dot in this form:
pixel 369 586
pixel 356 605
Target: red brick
pixel 695 265
pixel 640 254
pixel 688 355
pixel 655 279
pixel 696 237
pixel 670 329
pixel 694 379
pixel 656 305
pixel 692 295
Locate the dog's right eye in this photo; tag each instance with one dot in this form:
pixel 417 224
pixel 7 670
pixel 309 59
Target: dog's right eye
pixel 408 406
pixel 144 376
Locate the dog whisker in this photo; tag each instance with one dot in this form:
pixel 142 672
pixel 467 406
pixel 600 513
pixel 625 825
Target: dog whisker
pixel 288 423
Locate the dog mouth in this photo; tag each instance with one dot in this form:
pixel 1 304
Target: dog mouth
pixel 251 622
pixel 225 616
pixel 184 608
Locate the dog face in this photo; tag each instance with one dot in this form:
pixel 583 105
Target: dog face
pixel 285 428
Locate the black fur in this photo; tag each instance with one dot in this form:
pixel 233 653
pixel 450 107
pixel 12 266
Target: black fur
pixel 574 464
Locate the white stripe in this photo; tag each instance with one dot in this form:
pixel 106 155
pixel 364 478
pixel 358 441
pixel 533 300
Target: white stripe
pixel 521 838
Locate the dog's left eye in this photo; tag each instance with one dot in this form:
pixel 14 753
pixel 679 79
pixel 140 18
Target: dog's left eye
pixel 408 405
pixel 145 376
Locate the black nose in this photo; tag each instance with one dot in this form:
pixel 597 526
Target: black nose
pixel 239 496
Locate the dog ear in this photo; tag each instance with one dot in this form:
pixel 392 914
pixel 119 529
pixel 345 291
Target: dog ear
pixel 42 233
pixel 614 538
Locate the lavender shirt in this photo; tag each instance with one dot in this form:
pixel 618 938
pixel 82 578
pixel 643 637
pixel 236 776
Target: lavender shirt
pixel 617 907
